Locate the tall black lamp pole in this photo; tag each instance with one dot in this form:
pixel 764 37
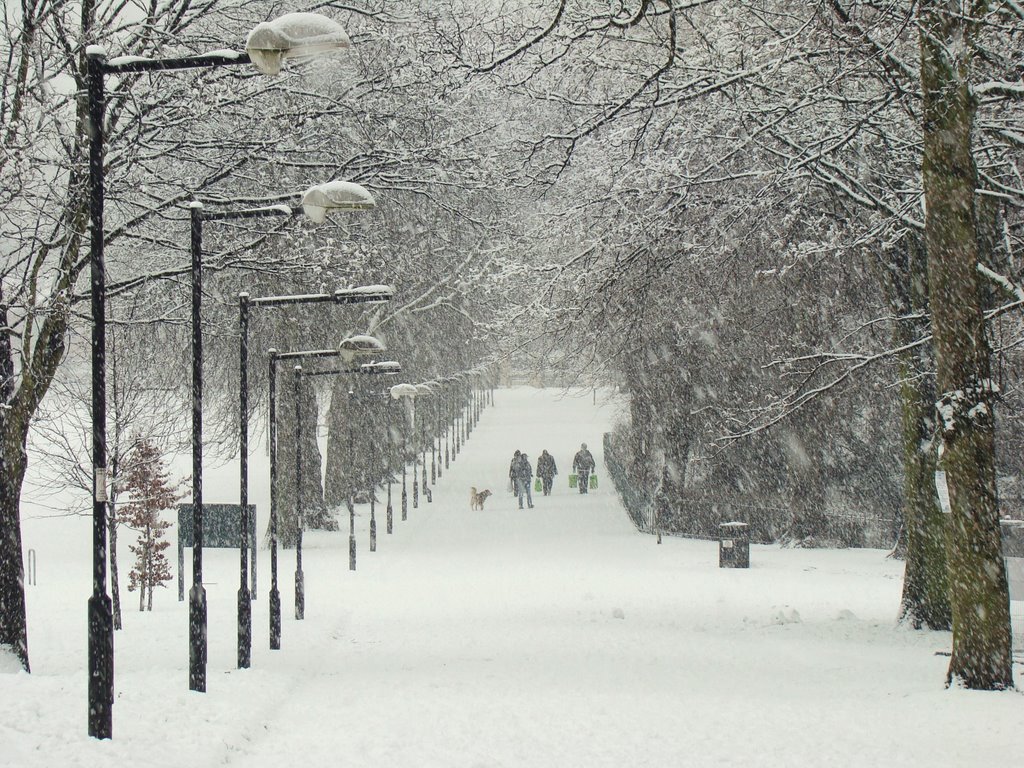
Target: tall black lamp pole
pixel 300 583
pixel 101 618
pixel 197 594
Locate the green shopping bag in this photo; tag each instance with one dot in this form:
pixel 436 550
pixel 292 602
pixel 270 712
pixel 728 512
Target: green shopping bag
pixel 536 484
pixel 593 482
pixel 572 480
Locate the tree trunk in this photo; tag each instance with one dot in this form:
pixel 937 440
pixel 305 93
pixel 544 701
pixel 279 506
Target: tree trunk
pixel 925 601
pixel 314 512
pixel 979 600
pixel 337 477
pixel 13 620
pixel 142 579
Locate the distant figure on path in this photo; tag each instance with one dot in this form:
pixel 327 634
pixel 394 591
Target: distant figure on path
pixel 524 476
pixel 583 464
pixel 546 471
pixel 513 486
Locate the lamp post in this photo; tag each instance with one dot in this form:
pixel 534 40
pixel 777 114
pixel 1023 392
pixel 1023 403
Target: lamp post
pixel 348 350
pixel 390 509
pixel 405 492
pixel 447 419
pixel 422 390
pixel 300 589
pixel 267 46
pixel 435 444
pixel 335 195
pixel 407 392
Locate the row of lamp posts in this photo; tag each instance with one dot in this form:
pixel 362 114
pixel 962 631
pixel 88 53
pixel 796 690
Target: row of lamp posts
pixel 291 36
pixel 267 46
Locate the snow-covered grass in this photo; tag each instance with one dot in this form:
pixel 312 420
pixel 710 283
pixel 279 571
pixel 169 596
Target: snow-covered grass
pixel 557 636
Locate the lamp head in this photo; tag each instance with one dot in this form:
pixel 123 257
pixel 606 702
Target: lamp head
pixel 403 390
pixel 335 196
pixel 294 35
pixel 357 346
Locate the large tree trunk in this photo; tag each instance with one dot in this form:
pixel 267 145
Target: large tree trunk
pixel 13 627
pixel 339 470
pixel 978 590
pixel 13 621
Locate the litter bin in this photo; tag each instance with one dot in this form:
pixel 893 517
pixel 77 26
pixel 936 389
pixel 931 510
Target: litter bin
pixel 733 545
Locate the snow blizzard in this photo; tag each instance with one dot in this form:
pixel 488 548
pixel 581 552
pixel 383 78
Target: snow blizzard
pixel 552 636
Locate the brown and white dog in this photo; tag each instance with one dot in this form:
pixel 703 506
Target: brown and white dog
pixel 476 500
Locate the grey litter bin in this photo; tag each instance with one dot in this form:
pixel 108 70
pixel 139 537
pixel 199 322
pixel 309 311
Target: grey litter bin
pixel 733 545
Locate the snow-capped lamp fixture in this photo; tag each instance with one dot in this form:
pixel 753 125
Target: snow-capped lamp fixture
pixel 294 36
pixel 335 196
pixel 359 346
pixel 403 390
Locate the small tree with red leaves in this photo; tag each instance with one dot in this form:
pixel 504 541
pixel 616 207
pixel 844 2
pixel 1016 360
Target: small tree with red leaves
pixel 150 492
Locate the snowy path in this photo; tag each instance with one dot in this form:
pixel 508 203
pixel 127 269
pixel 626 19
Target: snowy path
pixel 557 636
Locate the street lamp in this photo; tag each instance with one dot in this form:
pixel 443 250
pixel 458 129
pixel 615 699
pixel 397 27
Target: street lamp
pixel 274 358
pixel 287 37
pixel 300 587
pixel 424 390
pixel 407 392
pixel 364 294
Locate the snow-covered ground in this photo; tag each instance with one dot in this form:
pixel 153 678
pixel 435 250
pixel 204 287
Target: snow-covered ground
pixel 557 636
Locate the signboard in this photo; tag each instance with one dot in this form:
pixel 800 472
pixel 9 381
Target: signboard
pixel 222 525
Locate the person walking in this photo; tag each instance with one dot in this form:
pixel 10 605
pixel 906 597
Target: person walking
pixel 546 471
pixel 524 476
pixel 583 464
pixel 513 485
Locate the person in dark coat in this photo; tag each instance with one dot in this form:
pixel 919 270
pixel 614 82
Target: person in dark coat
pixel 583 464
pixel 512 483
pixel 524 476
pixel 546 471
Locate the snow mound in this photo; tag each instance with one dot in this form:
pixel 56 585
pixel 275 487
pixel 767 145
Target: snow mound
pixel 9 663
pixel 785 615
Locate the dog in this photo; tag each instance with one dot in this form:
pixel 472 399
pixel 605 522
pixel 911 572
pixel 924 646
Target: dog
pixel 476 500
